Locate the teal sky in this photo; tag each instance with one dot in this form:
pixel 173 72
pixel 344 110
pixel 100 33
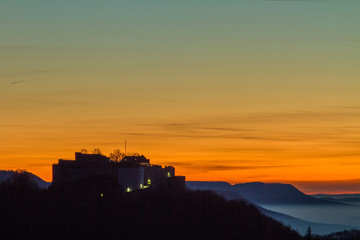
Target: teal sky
pixel 254 46
pixel 115 70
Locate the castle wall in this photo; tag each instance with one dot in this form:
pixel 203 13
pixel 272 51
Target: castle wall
pixel 68 174
pixel 131 173
pixel 156 174
pixel 131 178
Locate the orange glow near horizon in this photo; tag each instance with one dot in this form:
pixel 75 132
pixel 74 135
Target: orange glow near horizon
pixel 317 158
pixel 310 149
pixel 239 91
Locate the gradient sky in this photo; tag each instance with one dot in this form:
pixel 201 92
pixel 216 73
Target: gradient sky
pixel 237 91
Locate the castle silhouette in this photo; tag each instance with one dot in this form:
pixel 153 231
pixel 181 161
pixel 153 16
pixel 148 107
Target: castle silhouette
pixel 132 173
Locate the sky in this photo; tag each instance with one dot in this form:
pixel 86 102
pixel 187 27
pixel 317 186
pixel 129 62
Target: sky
pixel 237 91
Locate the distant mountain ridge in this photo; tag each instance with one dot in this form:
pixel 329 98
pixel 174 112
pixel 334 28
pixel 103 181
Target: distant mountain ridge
pixel 275 193
pixel 337 196
pixel 5 175
pixel 340 198
pixel 263 193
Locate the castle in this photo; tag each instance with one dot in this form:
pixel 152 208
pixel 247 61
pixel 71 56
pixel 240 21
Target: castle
pixel 131 173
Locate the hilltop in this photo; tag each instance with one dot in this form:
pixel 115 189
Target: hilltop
pixel 6 175
pixel 263 193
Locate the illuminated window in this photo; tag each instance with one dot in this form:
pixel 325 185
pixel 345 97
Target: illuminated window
pixel 149 181
pixel 101 195
pixel 169 175
pixel 141 186
pixel 128 190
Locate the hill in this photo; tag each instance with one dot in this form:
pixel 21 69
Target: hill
pixel 262 193
pixel 5 175
pixel 275 193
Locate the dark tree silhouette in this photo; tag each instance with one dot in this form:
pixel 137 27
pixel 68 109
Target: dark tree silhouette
pixel 308 234
pixel 96 151
pixel 116 155
pixel 84 151
pixel 21 181
pixel 133 154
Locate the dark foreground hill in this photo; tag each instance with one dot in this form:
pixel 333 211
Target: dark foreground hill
pixel 7 175
pixel 95 211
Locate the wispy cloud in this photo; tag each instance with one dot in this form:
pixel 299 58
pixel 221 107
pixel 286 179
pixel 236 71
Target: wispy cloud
pixel 205 166
pixel 278 127
pixel 39 164
pixel 17 82
pixel 234 167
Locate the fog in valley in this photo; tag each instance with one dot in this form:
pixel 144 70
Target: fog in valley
pixel 345 215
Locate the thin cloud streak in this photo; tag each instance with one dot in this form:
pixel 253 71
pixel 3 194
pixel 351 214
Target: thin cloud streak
pixel 39 164
pixel 325 129
pixel 234 167
pixel 208 166
pixel 18 82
